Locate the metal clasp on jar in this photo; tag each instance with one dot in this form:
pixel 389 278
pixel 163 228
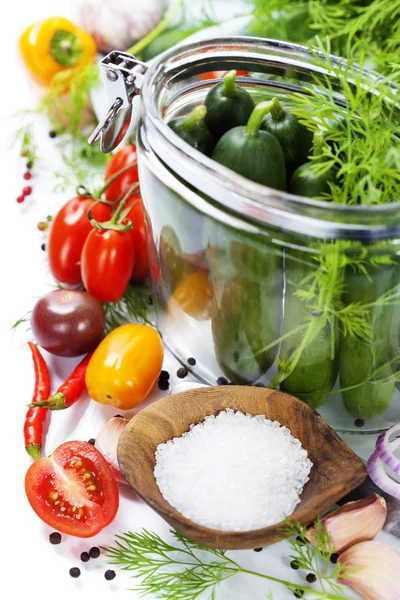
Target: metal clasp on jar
pixel 123 77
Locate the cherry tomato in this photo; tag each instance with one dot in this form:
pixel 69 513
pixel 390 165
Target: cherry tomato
pixel 141 268
pixel 73 490
pixel 125 366
pixel 68 232
pixel 107 263
pixel 124 157
pixel 194 296
pixel 218 74
pixel 67 322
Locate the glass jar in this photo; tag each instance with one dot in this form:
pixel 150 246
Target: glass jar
pixel 258 286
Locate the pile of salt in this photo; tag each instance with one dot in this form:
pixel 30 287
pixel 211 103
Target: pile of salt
pixel 233 472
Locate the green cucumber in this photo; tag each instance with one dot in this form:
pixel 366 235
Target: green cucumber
pixel 295 139
pixel 365 367
pixel 252 153
pixel 194 131
pixel 247 279
pixel 228 105
pixel 315 373
pixel 305 182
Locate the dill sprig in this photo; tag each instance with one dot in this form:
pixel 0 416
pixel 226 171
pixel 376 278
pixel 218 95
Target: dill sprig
pixel 183 569
pixel 24 138
pixel 361 134
pixel 68 97
pixel 133 306
pixel 375 23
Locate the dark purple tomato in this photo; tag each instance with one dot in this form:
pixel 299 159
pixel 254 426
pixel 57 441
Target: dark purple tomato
pixel 68 322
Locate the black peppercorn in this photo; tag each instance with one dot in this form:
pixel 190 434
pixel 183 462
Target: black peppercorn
pixel 334 558
pixel 257 549
pixel 311 578
pixel 222 381
pixel 163 384
pixel 109 575
pixel 55 538
pixel 182 372
pixel 359 422
pixel 75 572
pixel 94 552
pixel 43 247
pixel 164 375
pixel 92 441
pixel 85 556
pixel 301 540
pixel 294 565
pixel 191 361
pixel 52 133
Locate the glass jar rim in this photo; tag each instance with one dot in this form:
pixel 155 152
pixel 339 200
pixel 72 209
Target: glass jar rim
pixel 231 191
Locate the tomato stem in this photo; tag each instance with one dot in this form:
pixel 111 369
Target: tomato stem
pixel 111 179
pixel 117 218
pixel 121 205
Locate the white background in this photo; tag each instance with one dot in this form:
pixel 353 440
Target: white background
pixel 29 562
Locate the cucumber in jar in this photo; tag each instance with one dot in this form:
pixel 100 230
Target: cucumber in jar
pixel 252 153
pixel 365 365
pixel 247 281
pixel 308 355
pixel 228 105
pixel 305 181
pixel 295 139
pixel 194 131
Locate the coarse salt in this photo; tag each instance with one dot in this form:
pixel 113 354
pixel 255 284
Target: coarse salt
pixel 233 472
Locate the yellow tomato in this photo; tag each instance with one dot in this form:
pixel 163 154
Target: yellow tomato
pixel 194 296
pixel 125 366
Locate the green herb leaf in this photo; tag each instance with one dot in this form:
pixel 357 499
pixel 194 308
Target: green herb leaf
pixel 183 569
pixel 133 307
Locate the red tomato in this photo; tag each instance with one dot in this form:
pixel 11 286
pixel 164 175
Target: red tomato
pixel 68 232
pixel 124 157
pixel 218 74
pixel 107 263
pixel 73 490
pixel 141 269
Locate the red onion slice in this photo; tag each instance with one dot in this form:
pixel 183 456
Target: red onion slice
pixel 385 449
pixel 376 470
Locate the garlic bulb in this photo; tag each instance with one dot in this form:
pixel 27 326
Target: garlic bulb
pixel 119 24
pixel 373 571
pixel 353 522
pixel 107 442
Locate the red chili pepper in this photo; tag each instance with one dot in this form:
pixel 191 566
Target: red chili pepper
pixel 70 391
pixel 35 417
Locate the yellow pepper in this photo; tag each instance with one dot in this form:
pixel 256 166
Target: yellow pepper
pixel 53 45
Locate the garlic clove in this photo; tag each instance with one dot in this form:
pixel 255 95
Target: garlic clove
pixel 373 570
pixel 107 442
pixel 353 522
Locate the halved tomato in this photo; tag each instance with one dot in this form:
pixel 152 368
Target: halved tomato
pixel 73 490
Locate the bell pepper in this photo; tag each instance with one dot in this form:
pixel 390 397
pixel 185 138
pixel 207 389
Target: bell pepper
pixel 53 45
